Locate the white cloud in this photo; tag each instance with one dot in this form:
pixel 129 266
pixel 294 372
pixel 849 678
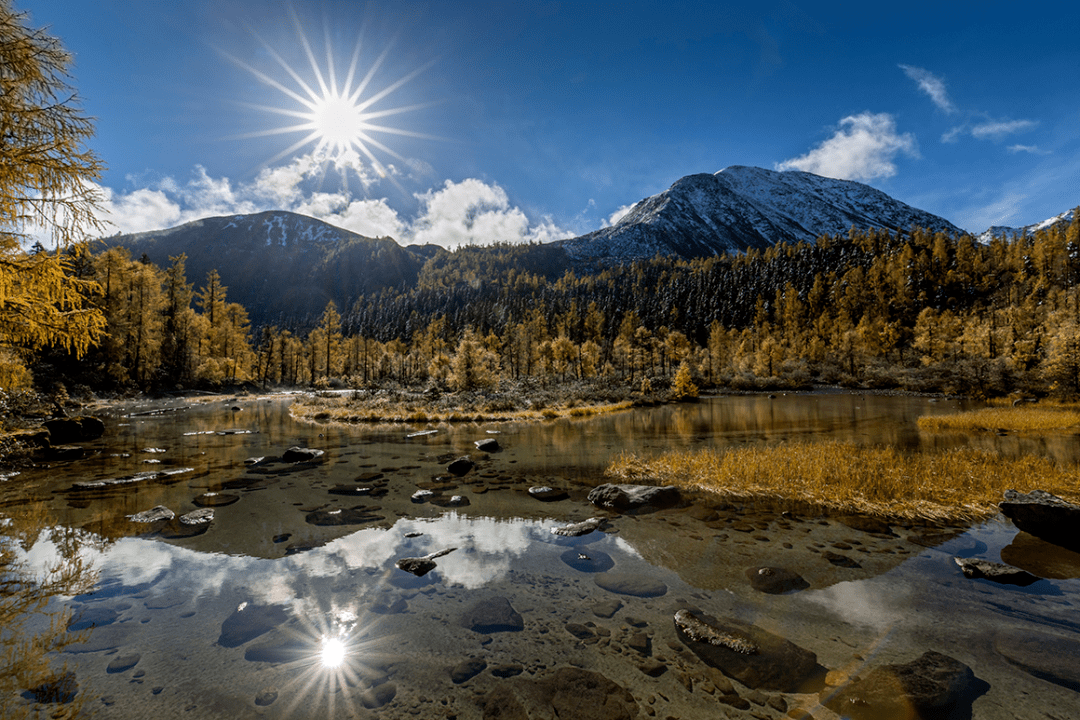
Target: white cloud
pixel 619 214
pixel 466 212
pixel 997 129
pixel 989 130
pixel 1033 149
pixel 932 86
pixel 864 147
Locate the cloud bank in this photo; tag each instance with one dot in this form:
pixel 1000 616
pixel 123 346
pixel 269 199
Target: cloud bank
pixel 454 214
pixel 989 129
pixel 932 86
pixel 864 147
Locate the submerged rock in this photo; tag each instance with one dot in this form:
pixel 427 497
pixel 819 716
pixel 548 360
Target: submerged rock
pixel 1045 516
pixel 344 516
pixel 547 494
pixel 249 622
pixel 931 686
pixel 754 657
pixel 628 497
pixel 466 670
pixel 630 584
pixel 214 499
pixel 488 445
pixel 592 561
pixel 492 615
pixel 1053 658
pixel 997 572
pixel 420 566
pixel 121 663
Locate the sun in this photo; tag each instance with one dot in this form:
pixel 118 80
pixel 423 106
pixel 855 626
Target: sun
pixel 341 119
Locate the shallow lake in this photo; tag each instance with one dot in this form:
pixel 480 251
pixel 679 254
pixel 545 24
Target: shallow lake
pixel 289 602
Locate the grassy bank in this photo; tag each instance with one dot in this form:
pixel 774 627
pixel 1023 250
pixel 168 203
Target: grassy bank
pixel 510 403
pixel 1020 418
pixel 952 485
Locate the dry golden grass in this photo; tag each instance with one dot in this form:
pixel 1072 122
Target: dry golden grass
pixel 414 411
pixel 945 486
pixel 1021 418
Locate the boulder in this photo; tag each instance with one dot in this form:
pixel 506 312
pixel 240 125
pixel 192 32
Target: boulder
pixel 592 561
pixel 775 581
pixel 297 454
pixel 578 529
pixel 74 429
pixel 461 466
pixel 933 685
pixel 492 615
pixel 197 517
pixel 996 572
pixel 466 670
pixel 154 514
pixel 755 657
pixel 421 566
pixel 1045 516
pixel 488 445
pixel 629 497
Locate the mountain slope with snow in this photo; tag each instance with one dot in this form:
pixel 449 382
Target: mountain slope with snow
pixel 746 207
pixel 1009 233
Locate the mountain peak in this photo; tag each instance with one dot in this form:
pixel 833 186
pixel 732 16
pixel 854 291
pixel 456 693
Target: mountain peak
pixel 743 207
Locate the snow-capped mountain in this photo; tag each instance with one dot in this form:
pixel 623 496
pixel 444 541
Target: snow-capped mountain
pixel 1008 233
pixel 746 207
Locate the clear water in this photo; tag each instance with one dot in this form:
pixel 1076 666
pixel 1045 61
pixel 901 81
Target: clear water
pixel 268 614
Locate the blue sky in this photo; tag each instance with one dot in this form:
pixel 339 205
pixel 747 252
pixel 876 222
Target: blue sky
pixel 538 120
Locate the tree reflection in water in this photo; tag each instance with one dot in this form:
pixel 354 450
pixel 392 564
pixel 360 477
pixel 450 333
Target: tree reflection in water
pixel 32 631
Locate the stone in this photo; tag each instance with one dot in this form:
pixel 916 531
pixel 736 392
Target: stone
pixel 74 429
pixel 249 622
pixel 630 584
pixel 1041 558
pixel 344 516
pixel 154 514
pixel 488 445
pixel 452 501
pixel 420 566
pixel 297 454
pixel 266 696
pixel 588 561
pixel 547 494
pixel 120 663
pixel 576 693
pixel 506 671
pixel 213 499
pixel 629 497
pixel 460 466
pixel 775 581
pixel 653 668
pixel 639 642
pixel 757 658
pixel 867 524
pixel 92 617
pixel 607 608
pixel 581 632
pixel 492 615
pixel 421 496
pixel 995 572
pixel 197 517
pixel 840 560
pixel 1053 658
pixel 350 490
pixel 466 670
pixel 580 528
pixel 932 686
pixel 1045 516
pixel 378 696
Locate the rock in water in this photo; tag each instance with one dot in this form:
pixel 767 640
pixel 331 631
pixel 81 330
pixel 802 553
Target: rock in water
pixel 997 572
pixel 1045 516
pixel 754 657
pixel 197 517
pixel 460 467
pixel 931 686
pixel 1052 658
pixel 577 529
pixel 299 454
pixel 421 566
pixel 488 445
pixel 154 514
pixel 775 581
pixel 629 497
pixel 547 494
pixel 249 622
pixel 492 615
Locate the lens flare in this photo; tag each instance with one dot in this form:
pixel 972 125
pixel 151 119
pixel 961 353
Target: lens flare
pixel 332 653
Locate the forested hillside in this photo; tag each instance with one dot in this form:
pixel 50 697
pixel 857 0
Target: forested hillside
pixel 919 311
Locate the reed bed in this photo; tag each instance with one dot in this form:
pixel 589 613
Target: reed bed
pixel 953 485
pixel 1021 418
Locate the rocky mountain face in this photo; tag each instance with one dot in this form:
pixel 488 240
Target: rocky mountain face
pixel 281 266
pixel 745 207
pixel 1003 231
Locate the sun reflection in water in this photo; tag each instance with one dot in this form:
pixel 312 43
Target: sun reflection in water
pixel 332 653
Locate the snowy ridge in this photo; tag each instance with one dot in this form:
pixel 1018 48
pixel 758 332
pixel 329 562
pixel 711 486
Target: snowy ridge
pixel 746 207
pixel 1002 231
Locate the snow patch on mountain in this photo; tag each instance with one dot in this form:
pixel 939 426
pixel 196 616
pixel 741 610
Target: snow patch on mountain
pixel 742 207
pixel 1001 231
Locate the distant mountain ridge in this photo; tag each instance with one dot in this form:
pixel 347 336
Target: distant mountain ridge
pixel 739 208
pixel 281 266
pixel 1008 233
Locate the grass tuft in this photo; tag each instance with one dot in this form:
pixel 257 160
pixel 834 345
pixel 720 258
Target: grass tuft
pixel 1021 418
pixel 953 485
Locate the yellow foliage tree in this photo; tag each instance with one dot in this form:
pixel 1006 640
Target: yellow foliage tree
pixel 45 193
